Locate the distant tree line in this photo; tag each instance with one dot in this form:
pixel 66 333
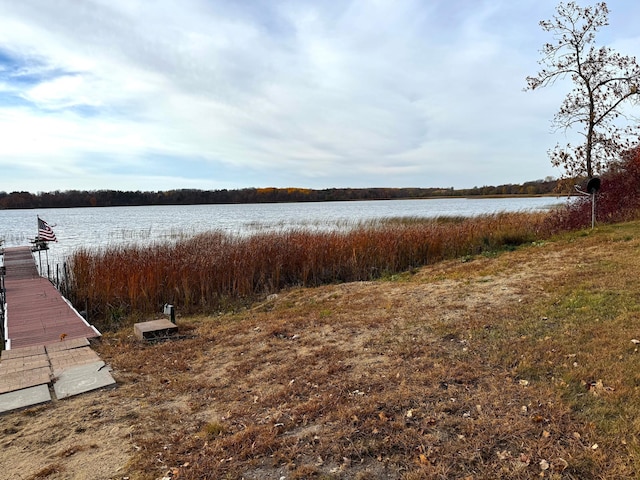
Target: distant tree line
pixel 116 198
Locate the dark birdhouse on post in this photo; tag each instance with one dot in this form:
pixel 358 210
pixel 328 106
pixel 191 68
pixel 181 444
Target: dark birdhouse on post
pixel 593 185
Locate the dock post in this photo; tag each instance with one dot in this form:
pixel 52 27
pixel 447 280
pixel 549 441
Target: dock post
pixel 3 271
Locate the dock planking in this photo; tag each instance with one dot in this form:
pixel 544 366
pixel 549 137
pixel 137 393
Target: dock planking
pixel 36 312
pixel 46 341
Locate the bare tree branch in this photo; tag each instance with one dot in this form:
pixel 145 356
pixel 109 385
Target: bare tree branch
pixel 604 81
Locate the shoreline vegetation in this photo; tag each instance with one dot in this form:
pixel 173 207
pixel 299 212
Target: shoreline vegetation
pixel 113 198
pixel 219 272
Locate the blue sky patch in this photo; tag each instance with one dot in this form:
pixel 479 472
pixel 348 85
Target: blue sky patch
pixel 21 71
pixel 9 99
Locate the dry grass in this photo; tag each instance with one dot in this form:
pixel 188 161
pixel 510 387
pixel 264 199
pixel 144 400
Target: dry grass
pixel 514 366
pixel 213 272
pixel 48 472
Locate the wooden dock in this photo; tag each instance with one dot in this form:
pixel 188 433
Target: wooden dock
pixel 36 313
pixel 47 350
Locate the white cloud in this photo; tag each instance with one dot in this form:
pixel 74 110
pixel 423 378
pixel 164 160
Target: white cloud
pixel 315 93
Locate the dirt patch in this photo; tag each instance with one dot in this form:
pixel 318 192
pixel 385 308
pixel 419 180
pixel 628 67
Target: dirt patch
pixel 88 436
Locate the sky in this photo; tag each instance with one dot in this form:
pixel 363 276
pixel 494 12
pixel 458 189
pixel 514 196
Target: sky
pixel 228 94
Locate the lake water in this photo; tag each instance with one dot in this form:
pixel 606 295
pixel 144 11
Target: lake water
pixel 105 226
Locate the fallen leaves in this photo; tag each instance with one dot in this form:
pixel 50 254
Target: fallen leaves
pixel 597 388
pixel 558 465
pixel 523 460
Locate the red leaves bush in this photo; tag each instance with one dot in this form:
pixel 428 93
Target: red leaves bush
pixel 617 201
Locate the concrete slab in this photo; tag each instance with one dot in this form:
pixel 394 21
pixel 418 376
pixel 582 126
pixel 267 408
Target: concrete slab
pixel 26 397
pixel 22 352
pixel 23 364
pixel 10 382
pixel 81 379
pixel 65 359
pixel 154 329
pixel 67 345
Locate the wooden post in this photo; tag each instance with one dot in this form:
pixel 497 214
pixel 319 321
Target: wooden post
pixel 66 278
pixel 3 271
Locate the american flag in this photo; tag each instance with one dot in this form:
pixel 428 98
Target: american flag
pixel 45 232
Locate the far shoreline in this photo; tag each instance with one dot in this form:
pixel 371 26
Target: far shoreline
pixel 432 197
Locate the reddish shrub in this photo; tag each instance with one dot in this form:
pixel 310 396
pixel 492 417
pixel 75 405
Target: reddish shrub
pixel 618 199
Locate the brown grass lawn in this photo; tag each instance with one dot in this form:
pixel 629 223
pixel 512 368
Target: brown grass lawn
pixel 518 365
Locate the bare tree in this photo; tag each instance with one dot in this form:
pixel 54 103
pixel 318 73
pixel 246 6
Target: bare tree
pixel 604 81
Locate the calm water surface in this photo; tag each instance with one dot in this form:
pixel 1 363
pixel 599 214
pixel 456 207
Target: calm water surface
pixel 106 226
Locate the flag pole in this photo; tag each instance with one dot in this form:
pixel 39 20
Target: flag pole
pixel 37 243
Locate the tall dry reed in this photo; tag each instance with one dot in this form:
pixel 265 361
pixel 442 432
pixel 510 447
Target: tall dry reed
pixel 214 271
